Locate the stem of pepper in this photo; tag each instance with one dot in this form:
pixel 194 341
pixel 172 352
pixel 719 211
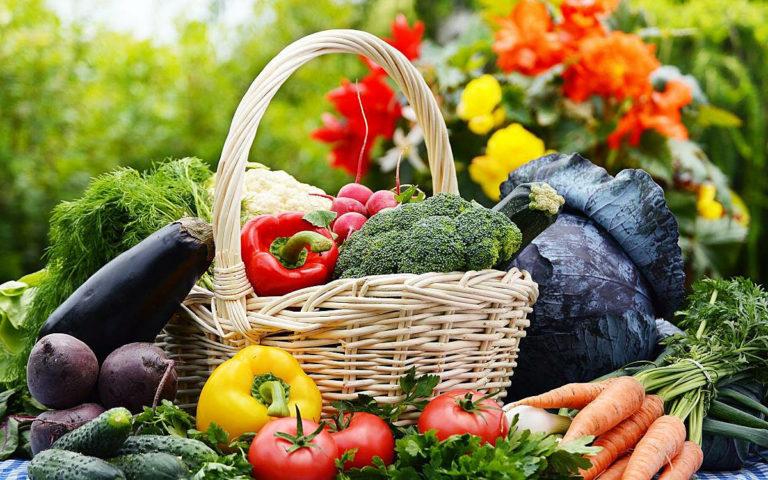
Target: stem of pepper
pixel 274 394
pixel 290 252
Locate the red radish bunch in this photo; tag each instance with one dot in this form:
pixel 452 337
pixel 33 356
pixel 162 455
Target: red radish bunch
pixel 354 204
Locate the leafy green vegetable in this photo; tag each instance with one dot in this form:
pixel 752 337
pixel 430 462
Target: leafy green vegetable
pixel 17 411
pixel 522 455
pixel 15 299
pixel 726 335
pixel 416 393
pixel 320 218
pixel 117 211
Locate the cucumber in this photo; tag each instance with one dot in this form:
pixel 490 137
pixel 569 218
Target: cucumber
pixel 101 437
pixel 151 466
pixel 53 464
pixel 532 207
pixel 193 452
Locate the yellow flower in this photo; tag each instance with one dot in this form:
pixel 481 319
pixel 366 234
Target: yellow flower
pixel 706 204
pixel 508 149
pixel 478 104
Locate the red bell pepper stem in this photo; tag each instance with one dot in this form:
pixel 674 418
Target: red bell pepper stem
pixel 290 252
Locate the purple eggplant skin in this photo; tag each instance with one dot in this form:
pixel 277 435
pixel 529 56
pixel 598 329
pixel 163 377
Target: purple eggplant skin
pixel 131 376
pixel 50 425
pixel 61 371
pixel 131 298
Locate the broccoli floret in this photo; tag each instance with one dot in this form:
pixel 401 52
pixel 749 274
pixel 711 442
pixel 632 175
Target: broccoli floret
pixel 489 237
pixel 441 234
pixel 432 245
pixel 445 204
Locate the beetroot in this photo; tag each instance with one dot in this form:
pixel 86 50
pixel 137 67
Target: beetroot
pixel 348 223
pixel 50 425
pixel 61 371
pixel 380 200
pixel 342 205
pixel 359 192
pixel 136 375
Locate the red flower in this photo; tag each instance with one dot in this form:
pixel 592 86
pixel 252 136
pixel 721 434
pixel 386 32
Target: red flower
pixel 659 111
pixel 527 41
pixel 405 38
pixel 618 65
pixel 348 135
pixel 582 19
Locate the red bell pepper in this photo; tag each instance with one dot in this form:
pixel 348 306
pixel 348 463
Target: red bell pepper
pixel 284 252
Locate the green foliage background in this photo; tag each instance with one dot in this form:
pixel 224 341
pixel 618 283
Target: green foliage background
pixel 75 103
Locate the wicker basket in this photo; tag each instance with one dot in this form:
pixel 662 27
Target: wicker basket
pixel 351 335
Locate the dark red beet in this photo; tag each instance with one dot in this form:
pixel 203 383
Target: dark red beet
pixel 61 371
pixel 132 375
pixel 50 425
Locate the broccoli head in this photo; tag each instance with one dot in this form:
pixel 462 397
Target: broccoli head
pixel 444 233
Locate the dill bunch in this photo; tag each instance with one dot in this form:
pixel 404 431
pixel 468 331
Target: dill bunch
pixel 117 211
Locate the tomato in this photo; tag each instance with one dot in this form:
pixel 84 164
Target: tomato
pixel 370 435
pixel 282 451
pixel 464 411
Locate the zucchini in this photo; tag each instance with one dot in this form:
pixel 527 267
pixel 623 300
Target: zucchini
pixel 131 298
pixel 532 207
pixel 151 466
pixel 193 452
pixel 101 437
pixel 55 464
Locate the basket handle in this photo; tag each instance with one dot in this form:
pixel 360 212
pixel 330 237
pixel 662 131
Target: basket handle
pixel 230 273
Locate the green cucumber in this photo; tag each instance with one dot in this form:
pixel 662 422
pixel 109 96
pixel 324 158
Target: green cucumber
pixel 101 437
pixel 53 464
pixel 532 207
pixel 151 466
pixel 193 452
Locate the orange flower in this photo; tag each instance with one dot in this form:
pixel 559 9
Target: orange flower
pixel 527 41
pixel 659 111
pixel 618 65
pixel 583 18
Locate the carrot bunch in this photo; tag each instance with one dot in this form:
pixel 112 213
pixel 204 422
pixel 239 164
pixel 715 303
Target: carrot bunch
pixel 636 438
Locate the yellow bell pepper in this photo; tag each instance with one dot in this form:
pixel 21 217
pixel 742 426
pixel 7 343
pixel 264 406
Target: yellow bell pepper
pixel 255 386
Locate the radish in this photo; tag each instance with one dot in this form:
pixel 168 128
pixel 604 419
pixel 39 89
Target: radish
pixel 342 205
pixel 380 200
pixel 359 192
pixel 348 223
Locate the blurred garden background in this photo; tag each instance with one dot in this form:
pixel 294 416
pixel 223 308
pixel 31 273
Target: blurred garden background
pixel 90 86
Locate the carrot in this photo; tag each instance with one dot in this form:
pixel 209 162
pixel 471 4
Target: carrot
pixel 685 464
pixel 616 470
pixel 659 446
pixel 620 399
pixel 571 395
pixel 623 436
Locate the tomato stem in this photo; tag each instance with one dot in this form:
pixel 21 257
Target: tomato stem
pixel 299 440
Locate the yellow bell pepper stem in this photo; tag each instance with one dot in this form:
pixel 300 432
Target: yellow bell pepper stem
pixel 252 388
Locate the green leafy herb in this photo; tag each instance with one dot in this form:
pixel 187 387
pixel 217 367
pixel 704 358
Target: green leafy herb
pixel 522 455
pixel 320 218
pixel 416 393
pixel 165 419
pixel 410 194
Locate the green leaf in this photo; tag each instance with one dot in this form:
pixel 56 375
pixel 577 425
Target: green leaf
pixel 320 218
pixel 9 438
pixel 411 194
pixel 710 115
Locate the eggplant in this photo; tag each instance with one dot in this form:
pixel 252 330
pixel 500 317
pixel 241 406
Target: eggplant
pixel 131 298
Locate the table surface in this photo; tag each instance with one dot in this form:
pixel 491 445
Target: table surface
pixel 756 469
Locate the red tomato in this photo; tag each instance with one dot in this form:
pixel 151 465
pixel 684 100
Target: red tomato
pixel 464 411
pixel 309 455
pixel 370 435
